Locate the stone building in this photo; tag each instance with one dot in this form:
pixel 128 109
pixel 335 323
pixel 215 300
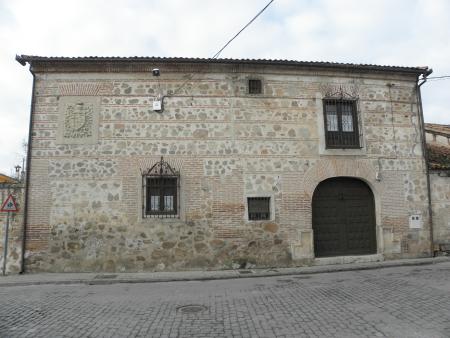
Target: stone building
pixel 438 145
pixel 437 134
pixel 143 164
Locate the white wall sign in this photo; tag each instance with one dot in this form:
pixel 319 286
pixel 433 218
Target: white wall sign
pixel 415 221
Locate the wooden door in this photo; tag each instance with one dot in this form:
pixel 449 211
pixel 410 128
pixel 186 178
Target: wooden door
pixel 343 218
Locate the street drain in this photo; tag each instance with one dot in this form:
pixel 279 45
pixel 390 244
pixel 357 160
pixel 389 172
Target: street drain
pixel 284 280
pixel 244 272
pixel 192 308
pixel 105 276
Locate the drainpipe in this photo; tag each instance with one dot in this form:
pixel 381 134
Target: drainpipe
pixel 425 155
pixel 27 174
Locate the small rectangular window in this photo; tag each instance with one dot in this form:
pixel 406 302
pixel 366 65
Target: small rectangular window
pixel 258 208
pixel 254 87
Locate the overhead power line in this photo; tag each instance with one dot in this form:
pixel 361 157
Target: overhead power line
pixel 248 24
pixel 215 56
pixel 444 77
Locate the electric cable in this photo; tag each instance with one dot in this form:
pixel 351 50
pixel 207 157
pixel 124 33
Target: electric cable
pixel 248 24
pixel 435 78
pixel 221 49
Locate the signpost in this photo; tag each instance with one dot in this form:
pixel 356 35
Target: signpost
pixel 8 206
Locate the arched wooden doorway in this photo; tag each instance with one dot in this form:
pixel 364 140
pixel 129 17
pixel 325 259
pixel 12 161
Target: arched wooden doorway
pixel 343 211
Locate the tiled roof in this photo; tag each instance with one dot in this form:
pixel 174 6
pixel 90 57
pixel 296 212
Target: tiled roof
pixel 7 179
pixel 442 129
pixel 438 157
pixel 23 59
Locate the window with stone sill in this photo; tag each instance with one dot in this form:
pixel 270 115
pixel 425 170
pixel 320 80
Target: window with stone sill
pixel 341 123
pixel 258 208
pixel 160 189
pixel 254 86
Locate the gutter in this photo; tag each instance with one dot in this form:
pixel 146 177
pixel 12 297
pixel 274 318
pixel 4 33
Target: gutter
pixel 425 155
pixel 27 174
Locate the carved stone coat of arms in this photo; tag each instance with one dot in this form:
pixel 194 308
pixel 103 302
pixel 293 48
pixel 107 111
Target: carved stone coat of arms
pixel 78 120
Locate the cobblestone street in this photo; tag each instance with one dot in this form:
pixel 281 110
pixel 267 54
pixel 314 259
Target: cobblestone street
pixel 409 301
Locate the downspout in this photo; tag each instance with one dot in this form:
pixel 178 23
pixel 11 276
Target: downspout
pixel 425 155
pixel 27 174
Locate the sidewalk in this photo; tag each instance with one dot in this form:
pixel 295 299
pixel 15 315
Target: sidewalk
pixel 93 278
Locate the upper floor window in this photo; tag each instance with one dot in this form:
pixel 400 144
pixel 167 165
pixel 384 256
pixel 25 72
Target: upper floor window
pixel 341 123
pixel 254 86
pixel 160 191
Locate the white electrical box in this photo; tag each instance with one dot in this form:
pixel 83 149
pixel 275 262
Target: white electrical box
pixel 415 221
pixel 156 105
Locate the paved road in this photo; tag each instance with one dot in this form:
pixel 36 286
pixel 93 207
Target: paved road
pixel 392 302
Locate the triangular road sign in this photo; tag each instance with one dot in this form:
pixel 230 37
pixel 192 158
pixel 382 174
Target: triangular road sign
pixel 9 205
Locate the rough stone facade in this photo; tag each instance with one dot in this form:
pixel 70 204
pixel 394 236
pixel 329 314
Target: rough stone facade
pixel 440 199
pixel 438 144
pixel 94 132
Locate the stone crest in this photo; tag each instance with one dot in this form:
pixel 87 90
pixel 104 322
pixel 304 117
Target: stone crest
pixel 78 122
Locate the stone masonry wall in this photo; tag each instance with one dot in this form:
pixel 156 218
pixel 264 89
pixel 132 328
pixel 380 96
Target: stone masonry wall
pixel 86 196
pixel 440 199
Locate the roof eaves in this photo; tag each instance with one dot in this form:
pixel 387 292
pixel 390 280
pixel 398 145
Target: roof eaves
pixel 439 129
pixel 23 59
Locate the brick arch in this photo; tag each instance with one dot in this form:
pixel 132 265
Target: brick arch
pixel 324 169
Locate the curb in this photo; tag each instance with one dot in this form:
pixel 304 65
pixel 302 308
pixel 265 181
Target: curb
pixel 313 271
pixel 238 274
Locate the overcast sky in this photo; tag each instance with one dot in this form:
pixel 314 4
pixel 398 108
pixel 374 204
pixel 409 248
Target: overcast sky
pixel 384 32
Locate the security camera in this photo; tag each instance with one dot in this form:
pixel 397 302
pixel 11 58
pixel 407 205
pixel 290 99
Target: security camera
pixel 155 72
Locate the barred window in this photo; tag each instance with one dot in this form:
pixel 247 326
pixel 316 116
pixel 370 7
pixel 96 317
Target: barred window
pixel 162 196
pixel 254 87
pixel 341 123
pixel 258 208
pixel 160 191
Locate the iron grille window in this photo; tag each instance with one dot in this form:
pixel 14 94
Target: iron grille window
pixel 254 87
pixel 161 196
pixel 341 123
pixel 258 208
pixel 160 191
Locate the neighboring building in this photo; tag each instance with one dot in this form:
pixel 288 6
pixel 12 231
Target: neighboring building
pixel 13 186
pixel 222 163
pixel 4 179
pixel 437 134
pixel 438 144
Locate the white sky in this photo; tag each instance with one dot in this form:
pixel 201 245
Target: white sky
pixel 385 32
